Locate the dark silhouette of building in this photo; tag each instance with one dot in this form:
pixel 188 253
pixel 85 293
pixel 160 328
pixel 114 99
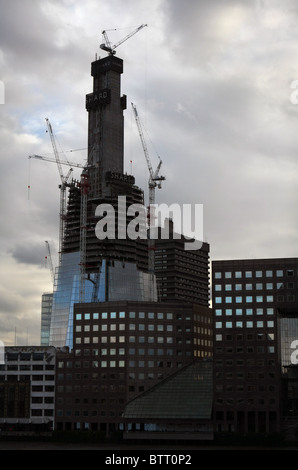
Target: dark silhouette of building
pixel 249 336
pixel 122 349
pixel 181 275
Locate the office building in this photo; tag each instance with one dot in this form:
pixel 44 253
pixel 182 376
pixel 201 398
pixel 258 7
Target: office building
pixel 46 315
pixel 249 336
pixel 178 408
pixel 27 390
pixel 122 349
pixel 181 275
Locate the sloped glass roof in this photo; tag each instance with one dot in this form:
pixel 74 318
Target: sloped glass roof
pixel 187 394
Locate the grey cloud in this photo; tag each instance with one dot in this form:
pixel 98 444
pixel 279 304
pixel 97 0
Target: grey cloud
pixel 30 253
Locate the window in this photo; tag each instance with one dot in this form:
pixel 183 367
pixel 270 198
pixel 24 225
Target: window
pixel 218 287
pixel 217 275
pixel 279 273
pixel 269 273
pixel 259 274
pixel 238 274
pixel 238 299
pixel 228 275
pixel 218 300
pixel 248 274
pixel 248 286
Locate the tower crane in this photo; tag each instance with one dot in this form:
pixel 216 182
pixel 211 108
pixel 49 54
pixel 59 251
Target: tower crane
pixel 49 257
pixel 47 159
pixel 83 233
pixel 154 181
pixel 111 49
pixel 154 178
pixel 64 184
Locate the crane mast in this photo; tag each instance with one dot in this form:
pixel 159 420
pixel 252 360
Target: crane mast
pixel 83 233
pixel 154 181
pixel 64 184
pixel 50 261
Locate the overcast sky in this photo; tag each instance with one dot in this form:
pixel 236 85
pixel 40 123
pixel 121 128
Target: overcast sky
pixel 212 83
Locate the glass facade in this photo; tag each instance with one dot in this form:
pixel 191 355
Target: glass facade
pixel 178 407
pixel 46 313
pixel 289 341
pixel 116 281
pixel 65 295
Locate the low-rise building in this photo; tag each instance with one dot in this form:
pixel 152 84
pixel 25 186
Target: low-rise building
pixel 27 389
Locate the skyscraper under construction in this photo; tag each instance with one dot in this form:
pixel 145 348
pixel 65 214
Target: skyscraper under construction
pixel 94 269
